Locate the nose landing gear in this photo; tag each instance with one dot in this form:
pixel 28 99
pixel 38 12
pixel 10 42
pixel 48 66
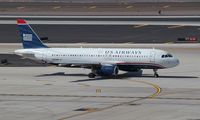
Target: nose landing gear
pixel 155 73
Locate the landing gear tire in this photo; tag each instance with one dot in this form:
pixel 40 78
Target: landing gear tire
pixel 91 75
pixel 155 73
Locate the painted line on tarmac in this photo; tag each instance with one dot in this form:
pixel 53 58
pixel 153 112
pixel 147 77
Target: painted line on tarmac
pixel 139 26
pixel 177 26
pixel 83 84
pixel 158 91
pixel 155 86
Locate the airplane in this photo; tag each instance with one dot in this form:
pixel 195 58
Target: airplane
pixel 101 61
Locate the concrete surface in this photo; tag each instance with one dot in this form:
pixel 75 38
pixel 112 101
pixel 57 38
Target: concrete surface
pixel 101 1
pixel 108 31
pixel 93 8
pixel 102 33
pixel 52 93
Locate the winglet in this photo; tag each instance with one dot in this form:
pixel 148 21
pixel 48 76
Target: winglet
pixel 21 21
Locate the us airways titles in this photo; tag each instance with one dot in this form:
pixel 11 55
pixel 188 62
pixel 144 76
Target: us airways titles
pixel 135 52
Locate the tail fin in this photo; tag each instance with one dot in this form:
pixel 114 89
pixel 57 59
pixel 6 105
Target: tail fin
pixel 29 38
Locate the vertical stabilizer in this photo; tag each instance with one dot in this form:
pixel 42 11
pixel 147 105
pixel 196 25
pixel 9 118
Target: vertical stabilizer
pixel 28 37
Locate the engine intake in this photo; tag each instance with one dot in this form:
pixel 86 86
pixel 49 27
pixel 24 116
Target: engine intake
pixel 107 70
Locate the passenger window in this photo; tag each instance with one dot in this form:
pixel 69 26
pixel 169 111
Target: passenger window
pixel 170 55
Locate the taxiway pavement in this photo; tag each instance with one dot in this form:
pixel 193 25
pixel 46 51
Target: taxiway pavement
pixel 104 29
pixel 99 8
pixel 102 33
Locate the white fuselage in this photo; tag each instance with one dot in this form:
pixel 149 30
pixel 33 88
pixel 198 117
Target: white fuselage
pixel 139 57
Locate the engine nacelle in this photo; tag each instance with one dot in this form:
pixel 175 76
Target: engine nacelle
pixel 107 70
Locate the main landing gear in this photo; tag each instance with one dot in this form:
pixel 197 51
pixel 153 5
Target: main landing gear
pixel 155 73
pixel 91 75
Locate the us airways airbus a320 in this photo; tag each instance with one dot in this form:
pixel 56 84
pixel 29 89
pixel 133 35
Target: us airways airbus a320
pixel 101 61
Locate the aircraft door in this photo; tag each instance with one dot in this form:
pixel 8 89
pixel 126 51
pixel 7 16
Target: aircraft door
pixel 152 56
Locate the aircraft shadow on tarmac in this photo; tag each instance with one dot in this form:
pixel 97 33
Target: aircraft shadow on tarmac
pixel 120 76
pixel 60 74
pixel 178 77
pixel 123 76
pixel 74 74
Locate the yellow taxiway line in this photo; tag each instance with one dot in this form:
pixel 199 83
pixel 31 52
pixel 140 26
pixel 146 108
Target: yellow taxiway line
pixel 92 7
pixel 155 86
pixel 139 26
pixel 166 6
pixel 158 89
pixel 57 7
pixel 130 6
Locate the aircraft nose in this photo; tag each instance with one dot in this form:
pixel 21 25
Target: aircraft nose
pixel 177 62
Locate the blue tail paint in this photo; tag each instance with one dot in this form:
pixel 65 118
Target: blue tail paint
pixel 29 38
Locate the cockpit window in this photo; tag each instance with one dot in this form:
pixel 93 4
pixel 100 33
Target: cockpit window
pixel 167 55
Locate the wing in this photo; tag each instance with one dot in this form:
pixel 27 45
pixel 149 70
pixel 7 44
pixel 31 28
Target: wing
pixel 87 65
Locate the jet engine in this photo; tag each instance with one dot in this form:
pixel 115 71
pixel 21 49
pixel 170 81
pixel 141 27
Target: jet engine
pixel 107 70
